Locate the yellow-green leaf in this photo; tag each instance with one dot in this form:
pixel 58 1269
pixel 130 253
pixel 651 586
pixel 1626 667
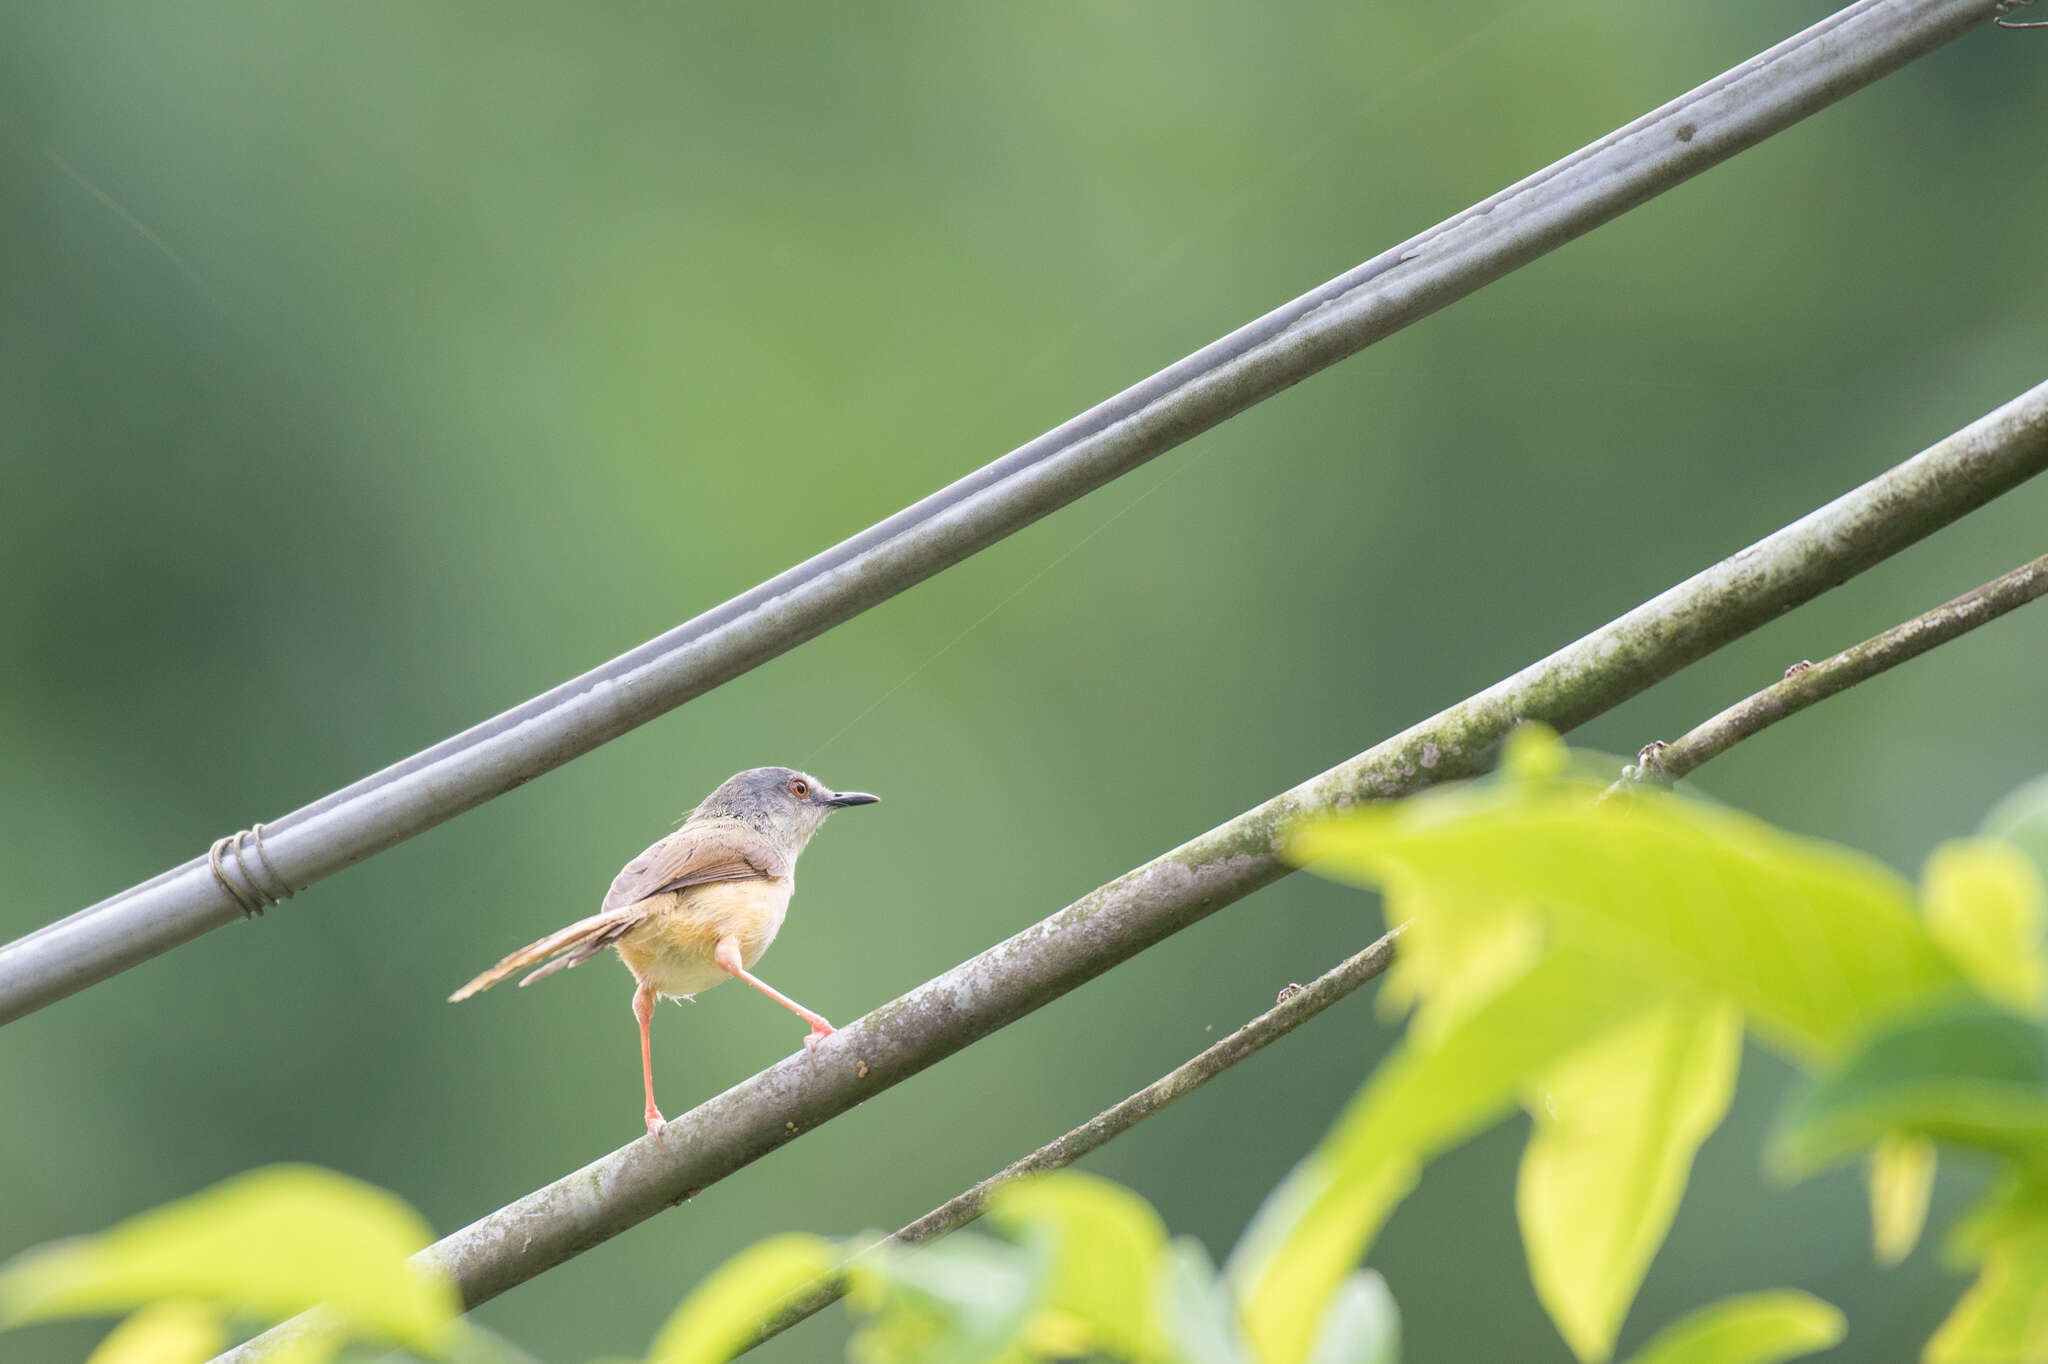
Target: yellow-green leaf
pixel 1432 1093
pixel 1199 1319
pixel 2021 819
pixel 266 1244
pixel 173 1332
pixel 1107 1251
pixel 2003 1317
pixel 1427 1096
pixel 1617 1124
pixel 1984 904
pixel 1361 1325
pixel 2013 1206
pixel 1752 1328
pixel 1453 958
pixel 1816 943
pixel 966 1297
pixel 723 1312
pixel 1968 1073
pixel 1303 1241
pixel 1901 1179
pixel 1534 753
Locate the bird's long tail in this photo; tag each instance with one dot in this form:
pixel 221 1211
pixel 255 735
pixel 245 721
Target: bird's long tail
pixel 577 943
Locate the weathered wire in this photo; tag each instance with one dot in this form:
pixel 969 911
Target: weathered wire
pixel 1143 907
pixel 1735 110
pixel 1807 684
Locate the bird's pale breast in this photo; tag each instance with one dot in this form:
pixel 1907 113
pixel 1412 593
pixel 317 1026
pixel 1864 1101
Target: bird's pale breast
pixel 672 948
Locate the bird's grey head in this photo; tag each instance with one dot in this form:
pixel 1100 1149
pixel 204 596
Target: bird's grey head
pixel 780 803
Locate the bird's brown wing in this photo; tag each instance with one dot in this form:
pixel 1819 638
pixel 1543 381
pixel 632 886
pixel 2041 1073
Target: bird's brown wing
pixel 696 853
pixel 688 857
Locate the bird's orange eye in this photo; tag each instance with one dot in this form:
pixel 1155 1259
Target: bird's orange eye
pixel 799 789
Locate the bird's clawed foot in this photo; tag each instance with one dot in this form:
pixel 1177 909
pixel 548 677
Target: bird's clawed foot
pixel 655 1122
pixel 819 1029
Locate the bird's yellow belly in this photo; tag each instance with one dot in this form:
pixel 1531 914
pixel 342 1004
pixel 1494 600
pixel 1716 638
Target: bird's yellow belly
pixel 673 948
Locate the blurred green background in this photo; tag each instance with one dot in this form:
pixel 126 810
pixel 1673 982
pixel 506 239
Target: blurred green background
pixel 366 369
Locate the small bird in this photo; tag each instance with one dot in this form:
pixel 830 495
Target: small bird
pixel 701 905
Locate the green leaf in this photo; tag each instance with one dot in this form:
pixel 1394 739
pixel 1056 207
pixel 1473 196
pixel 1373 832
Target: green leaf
pixel 1984 904
pixel 266 1244
pixel 1455 957
pixel 1816 943
pixel 1200 1324
pixel 965 1299
pixel 1617 1125
pixel 2012 1206
pixel 1967 1073
pixel 966 1272
pixel 1533 753
pixel 1753 1328
pixel 2021 819
pixel 1361 1326
pixel 2003 1317
pixel 1107 1249
pixel 723 1312
pixel 1304 1239
pixel 1427 1096
pixel 1901 1179
pixel 172 1332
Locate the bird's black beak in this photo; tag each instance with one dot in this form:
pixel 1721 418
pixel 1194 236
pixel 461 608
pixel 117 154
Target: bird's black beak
pixel 852 798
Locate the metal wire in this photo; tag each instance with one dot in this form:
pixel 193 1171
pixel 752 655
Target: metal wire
pixel 251 896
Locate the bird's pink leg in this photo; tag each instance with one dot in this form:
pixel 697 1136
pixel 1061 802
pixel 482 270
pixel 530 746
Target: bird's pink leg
pixel 643 1009
pixel 728 958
